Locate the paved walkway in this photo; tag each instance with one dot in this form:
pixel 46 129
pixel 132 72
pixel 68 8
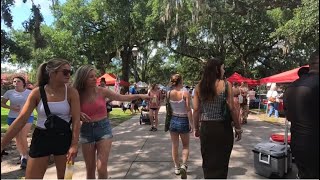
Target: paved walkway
pixel 138 153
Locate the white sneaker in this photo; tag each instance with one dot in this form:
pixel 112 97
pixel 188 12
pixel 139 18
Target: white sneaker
pixel 177 170
pixel 183 171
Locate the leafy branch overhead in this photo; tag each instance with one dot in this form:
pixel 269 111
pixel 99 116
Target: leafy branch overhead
pixel 254 38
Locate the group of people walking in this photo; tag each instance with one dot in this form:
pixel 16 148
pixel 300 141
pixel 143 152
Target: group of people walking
pixel 208 121
pixel 53 135
pixel 77 114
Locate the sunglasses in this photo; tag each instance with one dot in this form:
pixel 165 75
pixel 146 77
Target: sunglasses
pixel 66 72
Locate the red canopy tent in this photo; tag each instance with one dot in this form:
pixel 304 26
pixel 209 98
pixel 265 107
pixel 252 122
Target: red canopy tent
pixel 284 77
pixel 111 80
pixel 236 77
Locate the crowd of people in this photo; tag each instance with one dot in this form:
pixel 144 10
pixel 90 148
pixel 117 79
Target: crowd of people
pixel 78 114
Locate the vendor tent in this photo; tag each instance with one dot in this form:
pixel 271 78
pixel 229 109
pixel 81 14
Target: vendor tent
pixel 111 80
pixel 284 77
pixel 236 77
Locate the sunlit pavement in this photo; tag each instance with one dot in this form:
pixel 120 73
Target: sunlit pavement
pixel 138 153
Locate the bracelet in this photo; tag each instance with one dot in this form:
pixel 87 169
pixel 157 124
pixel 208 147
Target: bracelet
pixel 238 130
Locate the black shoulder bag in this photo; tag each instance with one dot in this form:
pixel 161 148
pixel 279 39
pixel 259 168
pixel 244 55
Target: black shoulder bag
pixel 53 123
pixel 168 114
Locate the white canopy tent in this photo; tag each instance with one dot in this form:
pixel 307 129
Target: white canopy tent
pixel 141 85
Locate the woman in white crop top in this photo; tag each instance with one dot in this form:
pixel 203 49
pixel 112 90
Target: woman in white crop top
pixel 63 101
pixel 180 124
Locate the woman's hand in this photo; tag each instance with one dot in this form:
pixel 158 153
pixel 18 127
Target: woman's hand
pixel 72 153
pixel 84 117
pixel 237 134
pixel 190 128
pixel 196 133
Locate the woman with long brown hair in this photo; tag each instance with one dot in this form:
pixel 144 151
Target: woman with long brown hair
pixel 216 134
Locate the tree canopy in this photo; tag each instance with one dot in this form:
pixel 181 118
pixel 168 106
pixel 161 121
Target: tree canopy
pixel 254 38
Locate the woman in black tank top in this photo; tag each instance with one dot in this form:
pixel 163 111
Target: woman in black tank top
pixel 216 134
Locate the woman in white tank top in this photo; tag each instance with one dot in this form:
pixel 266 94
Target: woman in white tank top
pixel 180 124
pixel 63 101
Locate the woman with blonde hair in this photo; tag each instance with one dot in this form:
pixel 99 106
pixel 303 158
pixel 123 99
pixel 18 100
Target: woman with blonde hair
pixel 154 105
pixel 63 102
pixel 96 133
pixel 180 124
pixel 212 94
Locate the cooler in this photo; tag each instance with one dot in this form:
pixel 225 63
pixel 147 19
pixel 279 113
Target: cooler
pixel 270 159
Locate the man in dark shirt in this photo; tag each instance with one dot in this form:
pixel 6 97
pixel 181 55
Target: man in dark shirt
pixel 132 90
pixel 301 105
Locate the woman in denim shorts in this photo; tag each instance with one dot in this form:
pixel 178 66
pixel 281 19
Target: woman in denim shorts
pixel 180 124
pixel 96 132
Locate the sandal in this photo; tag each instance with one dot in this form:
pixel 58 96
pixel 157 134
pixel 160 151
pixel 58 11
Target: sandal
pixel 151 129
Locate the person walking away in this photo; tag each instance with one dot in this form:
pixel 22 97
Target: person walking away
pixel 18 97
pixel 251 98
pixel 244 108
pixel 180 124
pixel 216 134
pixel 236 104
pixel 96 131
pixel 301 106
pixel 62 101
pixel 272 96
pixel 133 91
pixel 154 106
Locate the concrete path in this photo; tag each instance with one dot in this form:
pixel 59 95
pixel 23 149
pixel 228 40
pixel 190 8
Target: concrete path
pixel 138 153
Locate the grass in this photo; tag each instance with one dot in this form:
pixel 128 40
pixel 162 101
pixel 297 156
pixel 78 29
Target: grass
pixel 117 116
pixel 264 117
pixel 4 116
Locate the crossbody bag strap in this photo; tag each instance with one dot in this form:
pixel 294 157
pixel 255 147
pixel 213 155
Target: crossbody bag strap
pixel 44 101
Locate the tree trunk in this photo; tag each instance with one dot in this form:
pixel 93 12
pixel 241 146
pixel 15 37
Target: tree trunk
pixel 126 58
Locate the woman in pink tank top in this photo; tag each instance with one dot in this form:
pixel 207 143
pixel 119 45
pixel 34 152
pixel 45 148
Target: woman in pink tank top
pixel 96 132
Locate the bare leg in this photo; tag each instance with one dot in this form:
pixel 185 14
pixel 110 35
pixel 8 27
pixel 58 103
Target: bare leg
pixel 151 117
pixel 156 118
pixel 103 151
pixel 89 155
pixel 36 167
pixel 23 139
pixel 60 162
pixel 175 147
pixel 185 138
